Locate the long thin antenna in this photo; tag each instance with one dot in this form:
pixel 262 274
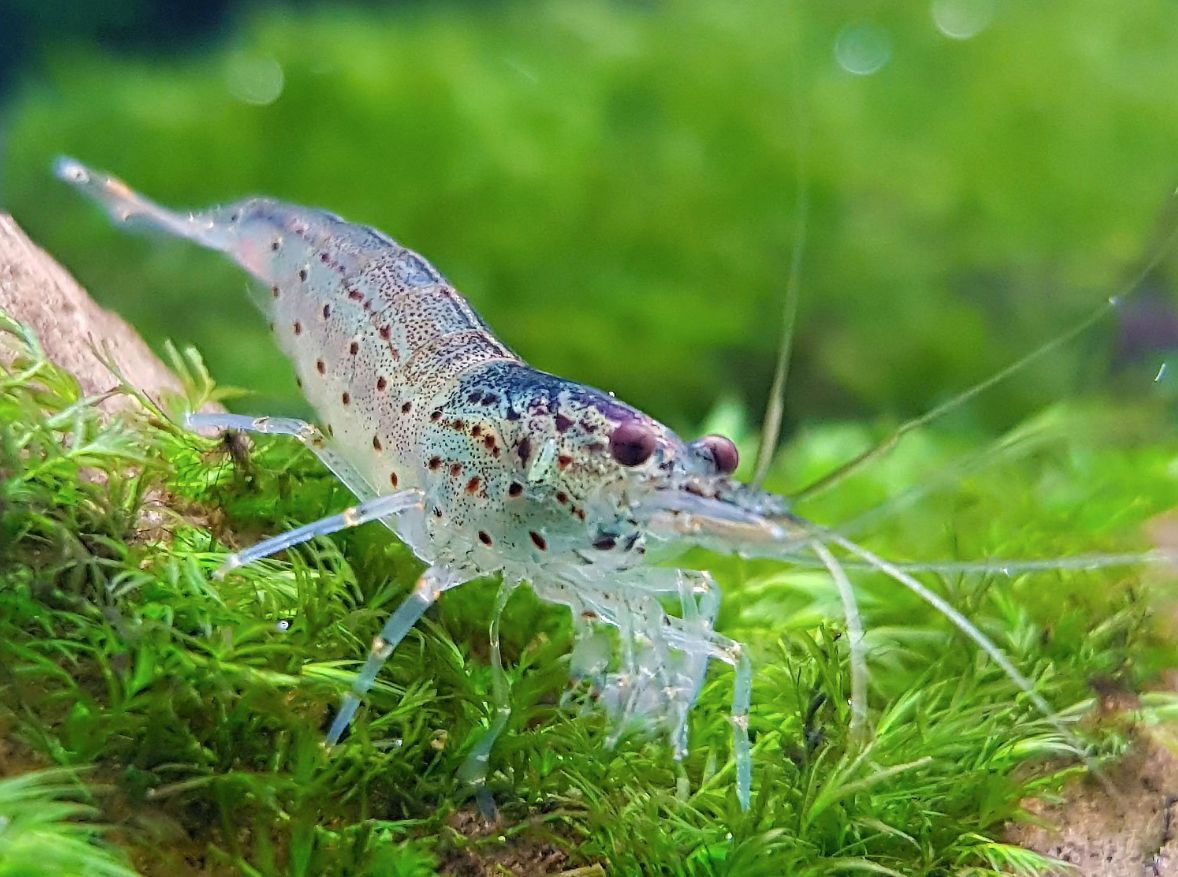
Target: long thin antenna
pixel 1078 328
pixel 955 617
pixel 775 405
pixel 855 634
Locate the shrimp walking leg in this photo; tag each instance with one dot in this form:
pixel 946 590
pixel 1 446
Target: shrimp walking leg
pixel 732 653
pixel 429 587
pixel 306 433
pixel 742 692
pixel 699 601
pixel 676 674
pixel 474 769
pixel 855 636
pixel 371 510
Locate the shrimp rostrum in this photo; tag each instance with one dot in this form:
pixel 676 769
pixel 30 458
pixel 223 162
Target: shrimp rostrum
pixel 483 465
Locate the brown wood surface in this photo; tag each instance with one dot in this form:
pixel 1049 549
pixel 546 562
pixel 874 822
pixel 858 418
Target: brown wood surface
pixel 39 293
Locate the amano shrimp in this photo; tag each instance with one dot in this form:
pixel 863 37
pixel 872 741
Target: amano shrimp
pixel 483 465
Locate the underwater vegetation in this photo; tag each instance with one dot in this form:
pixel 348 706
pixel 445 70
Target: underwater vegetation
pixel 614 187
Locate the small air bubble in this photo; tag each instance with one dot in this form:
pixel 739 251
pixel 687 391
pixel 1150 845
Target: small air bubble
pixel 255 79
pixel 962 19
pixel 282 626
pixel 862 49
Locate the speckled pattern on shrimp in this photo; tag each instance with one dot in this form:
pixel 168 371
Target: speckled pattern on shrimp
pixel 484 465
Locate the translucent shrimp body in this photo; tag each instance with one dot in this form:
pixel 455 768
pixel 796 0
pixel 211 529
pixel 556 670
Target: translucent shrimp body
pixel 484 465
pixel 491 466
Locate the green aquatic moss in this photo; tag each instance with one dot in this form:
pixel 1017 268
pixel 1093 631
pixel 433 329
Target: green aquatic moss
pixel 194 711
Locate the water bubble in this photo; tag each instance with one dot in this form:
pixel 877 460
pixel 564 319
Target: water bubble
pixel 254 79
pixel 962 19
pixel 862 49
pixel 283 626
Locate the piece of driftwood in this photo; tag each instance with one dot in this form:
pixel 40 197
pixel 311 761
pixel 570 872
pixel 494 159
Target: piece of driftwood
pixel 1132 832
pixel 38 292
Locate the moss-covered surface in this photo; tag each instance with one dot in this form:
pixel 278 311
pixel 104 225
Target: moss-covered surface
pixel 193 712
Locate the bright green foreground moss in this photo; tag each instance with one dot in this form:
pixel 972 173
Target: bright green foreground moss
pixel 194 711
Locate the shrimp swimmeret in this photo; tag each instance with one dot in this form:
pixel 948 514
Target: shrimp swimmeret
pixel 483 465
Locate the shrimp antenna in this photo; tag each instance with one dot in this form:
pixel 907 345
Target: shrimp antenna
pixel 1078 328
pixel 822 535
pixel 775 404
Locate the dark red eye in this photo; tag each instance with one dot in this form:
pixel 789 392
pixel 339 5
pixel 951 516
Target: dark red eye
pixel 724 455
pixel 631 444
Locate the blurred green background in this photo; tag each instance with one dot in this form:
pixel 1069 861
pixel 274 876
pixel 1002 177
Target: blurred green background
pixel 614 185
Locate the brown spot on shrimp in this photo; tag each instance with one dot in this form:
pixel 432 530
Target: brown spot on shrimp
pixel 538 540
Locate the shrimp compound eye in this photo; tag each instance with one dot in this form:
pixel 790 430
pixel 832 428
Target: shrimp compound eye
pixel 720 451
pixel 631 444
